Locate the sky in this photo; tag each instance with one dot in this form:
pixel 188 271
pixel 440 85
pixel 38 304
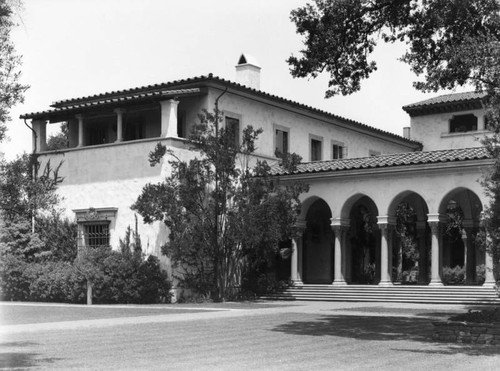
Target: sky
pixel 75 48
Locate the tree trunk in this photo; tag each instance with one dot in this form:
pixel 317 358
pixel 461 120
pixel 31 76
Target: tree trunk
pixel 89 292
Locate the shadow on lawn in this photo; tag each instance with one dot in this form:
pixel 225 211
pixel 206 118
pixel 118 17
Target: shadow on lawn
pixel 382 328
pixel 21 360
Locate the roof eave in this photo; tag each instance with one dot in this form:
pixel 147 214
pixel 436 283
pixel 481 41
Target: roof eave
pixel 447 107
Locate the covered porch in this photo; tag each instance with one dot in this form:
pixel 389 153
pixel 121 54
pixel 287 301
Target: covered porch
pixel 402 224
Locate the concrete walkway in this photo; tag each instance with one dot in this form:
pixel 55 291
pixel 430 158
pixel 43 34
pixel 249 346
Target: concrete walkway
pixel 261 335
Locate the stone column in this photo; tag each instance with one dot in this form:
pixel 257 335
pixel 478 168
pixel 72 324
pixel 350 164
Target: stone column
pixel 469 251
pixel 169 118
pixel 119 124
pixel 39 135
pixel 296 259
pixel 81 139
pixel 489 279
pixel 435 222
pixel 386 225
pixel 423 272
pixel 340 227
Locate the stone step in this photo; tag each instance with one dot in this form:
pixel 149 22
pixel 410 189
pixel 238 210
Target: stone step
pixel 373 296
pixel 387 300
pixel 477 295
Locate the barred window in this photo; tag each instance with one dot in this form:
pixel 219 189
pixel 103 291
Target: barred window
pixel 95 234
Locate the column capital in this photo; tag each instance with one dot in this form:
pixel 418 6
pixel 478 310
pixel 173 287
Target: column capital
pixel 386 220
pixel 171 101
pixel 79 116
pixel 437 218
pixel 340 223
pixel 119 111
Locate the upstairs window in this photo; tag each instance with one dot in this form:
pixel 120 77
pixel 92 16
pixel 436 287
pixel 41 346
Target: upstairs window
pixel 463 123
pixel 233 130
pixel 339 151
pixel 315 150
pixel 281 140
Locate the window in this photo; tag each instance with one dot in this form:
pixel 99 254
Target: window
pixel 463 123
pixel 339 151
pixel 233 130
pixel 95 234
pixel 315 149
pixel 372 153
pixel 94 226
pixel 281 141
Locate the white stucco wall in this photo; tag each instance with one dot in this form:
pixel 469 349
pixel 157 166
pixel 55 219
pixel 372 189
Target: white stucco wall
pixel 300 128
pixel 385 186
pixel 112 176
pixel 434 132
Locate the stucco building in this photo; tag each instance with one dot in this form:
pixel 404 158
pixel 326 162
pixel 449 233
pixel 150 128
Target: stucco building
pixel 358 174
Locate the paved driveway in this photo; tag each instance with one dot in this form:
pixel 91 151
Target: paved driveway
pixel 234 336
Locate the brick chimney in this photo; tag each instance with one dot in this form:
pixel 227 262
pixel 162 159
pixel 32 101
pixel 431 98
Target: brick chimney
pixel 248 72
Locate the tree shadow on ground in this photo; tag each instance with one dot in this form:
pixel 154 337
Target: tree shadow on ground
pixel 21 359
pixel 381 328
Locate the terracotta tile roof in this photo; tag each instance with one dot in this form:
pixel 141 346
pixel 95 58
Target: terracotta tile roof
pixel 103 99
pixel 447 102
pixel 397 159
pixel 151 91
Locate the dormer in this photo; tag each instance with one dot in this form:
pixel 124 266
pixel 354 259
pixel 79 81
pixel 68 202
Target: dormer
pixel 448 121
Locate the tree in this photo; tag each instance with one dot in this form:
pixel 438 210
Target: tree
pixel 407 248
pixel 59 140
pixel 26 189
pixel 224 217
pixel 30 223
pixel 450 43
pixel 444 37
pixel 11 90
pixel 90 264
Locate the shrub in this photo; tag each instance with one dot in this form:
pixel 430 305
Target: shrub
pixel 453 276
pixel 155 285
pixel 14 282
pixel 480 274
pixel 125 280
pixel 129 279
pixel 45 281
pixel 56 282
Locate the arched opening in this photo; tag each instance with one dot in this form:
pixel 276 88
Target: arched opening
pixel 364 242
pixel 463 261
pixel 411 239
pixel 318 244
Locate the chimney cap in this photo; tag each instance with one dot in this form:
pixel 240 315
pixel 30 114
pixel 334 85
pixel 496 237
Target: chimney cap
pixel 248 59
